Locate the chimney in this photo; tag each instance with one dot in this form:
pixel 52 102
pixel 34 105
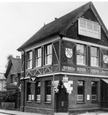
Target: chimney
pixel 55 18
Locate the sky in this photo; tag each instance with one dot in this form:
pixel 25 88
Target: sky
pixel 20 20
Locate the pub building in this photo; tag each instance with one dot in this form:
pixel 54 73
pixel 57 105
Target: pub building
pixel 65 64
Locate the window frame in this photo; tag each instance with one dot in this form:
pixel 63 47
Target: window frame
pixel 48 91
pixel 80 97
pixel 48 54
pixel 89 28
pixel 96 91
pixel 38 91
pixel 81 54
pixel 29 91
pixel 29 59
pixel 38 57
pixel 94 57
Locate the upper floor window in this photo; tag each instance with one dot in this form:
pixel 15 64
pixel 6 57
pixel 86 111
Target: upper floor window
pixel 89 28
pixel 94 56
pixel 81 54
pixel 38 57
pixel 48 54
pixel 29 60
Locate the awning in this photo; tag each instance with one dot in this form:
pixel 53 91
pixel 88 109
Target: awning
pixel 105 80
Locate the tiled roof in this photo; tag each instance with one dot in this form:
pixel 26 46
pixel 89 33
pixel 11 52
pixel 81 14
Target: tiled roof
pixel 52 28
pixel 59 25
pixel 16 63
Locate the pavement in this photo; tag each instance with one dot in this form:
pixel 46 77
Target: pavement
pixel 13 112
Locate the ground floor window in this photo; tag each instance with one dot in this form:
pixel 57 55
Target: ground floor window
pixel 94 90
pixel 38 91
pixel 80 91
pixel 48 91
pixel 29 92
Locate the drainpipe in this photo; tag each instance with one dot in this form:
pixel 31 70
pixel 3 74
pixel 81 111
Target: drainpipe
pixel 24 82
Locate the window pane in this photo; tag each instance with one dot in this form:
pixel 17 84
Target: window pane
pixel 94 57
pixel 94 51
pixel 81 54
pixel 38 57
pixel 80 49
pixel 30 55
pixel 80 59
pixel 48 54
pixel 94 61
pixel 29 61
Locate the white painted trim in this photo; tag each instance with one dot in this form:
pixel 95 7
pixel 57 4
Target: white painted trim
pixel 64 73
pixel 83 42
pixel 52 39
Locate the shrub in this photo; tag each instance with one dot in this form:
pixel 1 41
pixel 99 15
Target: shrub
pixel 8 105
pixel 10 97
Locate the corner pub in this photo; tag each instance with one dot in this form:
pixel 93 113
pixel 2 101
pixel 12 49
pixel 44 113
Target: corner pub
pixel 65 64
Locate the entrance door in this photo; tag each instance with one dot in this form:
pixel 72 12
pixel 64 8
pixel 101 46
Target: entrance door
pixel 62 100
pixel 104 93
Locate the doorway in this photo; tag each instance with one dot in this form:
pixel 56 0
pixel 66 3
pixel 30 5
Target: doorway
pixel 61 99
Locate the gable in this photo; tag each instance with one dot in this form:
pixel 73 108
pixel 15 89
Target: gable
pixel 72 31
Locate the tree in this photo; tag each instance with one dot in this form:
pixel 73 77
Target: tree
pixel 8 58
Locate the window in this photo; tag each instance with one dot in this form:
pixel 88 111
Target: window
pixel 94 90
pixel 48 54
pixel 29 60
pixel 38 57
pixel 81 55
pixel 29 92
pixel 80 91
pixel 48 91
pixel 94 57
pixel 38 91
pixel 89 28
